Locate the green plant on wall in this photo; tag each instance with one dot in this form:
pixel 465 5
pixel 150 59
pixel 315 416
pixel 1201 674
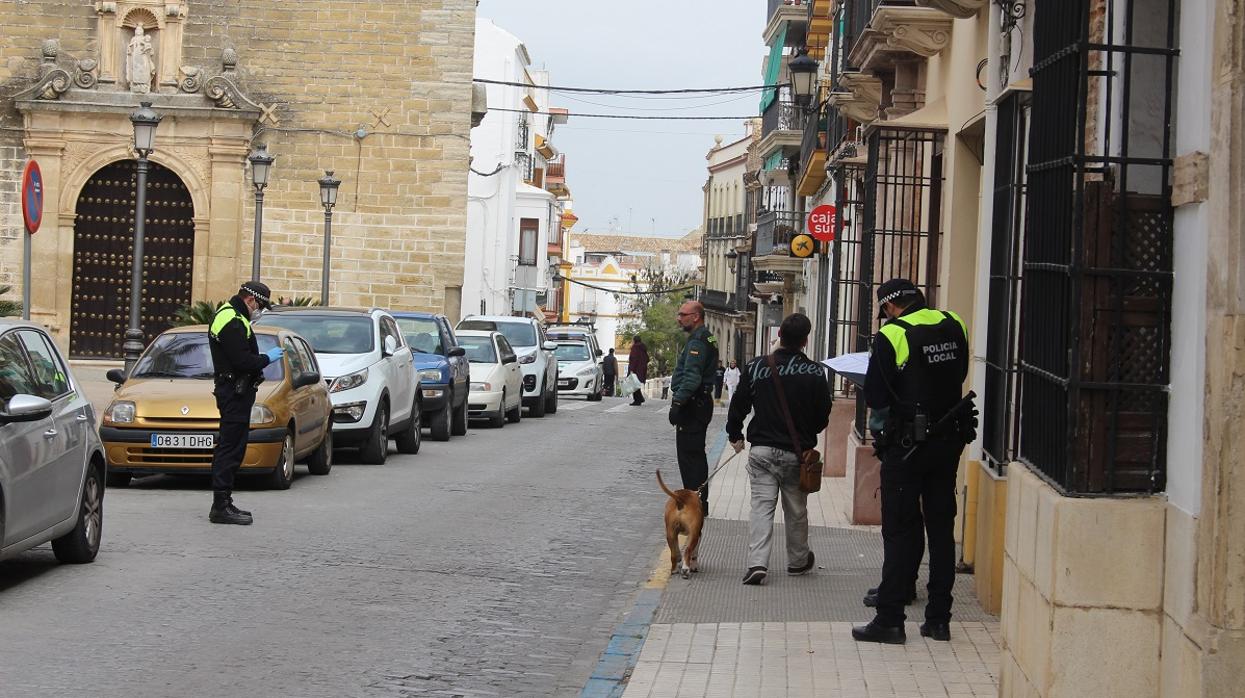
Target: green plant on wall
pixel 9 308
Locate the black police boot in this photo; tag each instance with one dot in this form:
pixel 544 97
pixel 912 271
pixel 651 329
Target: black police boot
pixel 935 630
pixel 871 598
pixel 876 632
pixel 224 512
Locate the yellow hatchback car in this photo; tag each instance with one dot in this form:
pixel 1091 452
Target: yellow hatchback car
pixel 163 418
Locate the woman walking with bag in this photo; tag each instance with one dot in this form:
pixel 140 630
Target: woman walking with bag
pixel 637 365
pixel 791 394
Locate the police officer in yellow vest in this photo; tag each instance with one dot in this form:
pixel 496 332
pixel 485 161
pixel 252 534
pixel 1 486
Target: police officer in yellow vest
pixel 237 364
pixel 916 373
pixel 691 405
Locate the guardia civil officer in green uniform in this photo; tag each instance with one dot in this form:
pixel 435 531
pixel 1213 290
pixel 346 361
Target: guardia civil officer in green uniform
pixel 916 373
pixel 238 366
pixel 691 406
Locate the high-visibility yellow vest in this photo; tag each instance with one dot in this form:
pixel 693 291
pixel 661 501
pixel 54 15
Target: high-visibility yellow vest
pixel 224 315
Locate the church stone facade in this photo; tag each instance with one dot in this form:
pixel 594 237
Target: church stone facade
pixel 379 93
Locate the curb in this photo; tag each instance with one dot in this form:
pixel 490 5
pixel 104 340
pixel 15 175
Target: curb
pixel 609 678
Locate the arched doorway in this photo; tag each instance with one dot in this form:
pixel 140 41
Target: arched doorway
pixel 103 253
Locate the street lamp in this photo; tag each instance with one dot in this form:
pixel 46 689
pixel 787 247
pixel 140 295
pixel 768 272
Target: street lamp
pixel 732 258
pixel 803 70
pixel 328 199
pixel 145 121
pixel 261 165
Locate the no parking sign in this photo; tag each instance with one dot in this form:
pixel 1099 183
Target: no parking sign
pixel 32 197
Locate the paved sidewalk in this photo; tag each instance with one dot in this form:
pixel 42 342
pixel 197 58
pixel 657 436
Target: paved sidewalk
pixel 713 637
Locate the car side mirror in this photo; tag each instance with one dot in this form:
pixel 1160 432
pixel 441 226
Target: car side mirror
pixel 391 346
pixel 116 375
pixel 457 351
pixel 549 346
pixel 509 359
pixel 26 408
pixel 600 353
pixel 306 378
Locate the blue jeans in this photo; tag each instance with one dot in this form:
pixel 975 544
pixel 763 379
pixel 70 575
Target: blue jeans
pixel 774 472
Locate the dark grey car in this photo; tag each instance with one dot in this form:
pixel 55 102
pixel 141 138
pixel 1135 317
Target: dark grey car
pixel 52 467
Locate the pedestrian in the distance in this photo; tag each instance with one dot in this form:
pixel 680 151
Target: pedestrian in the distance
pixel 915 379
pixel 731 381
pixel 691 398
pixel 609 366
pixel 773 463
pixel 665 387
pixel 718 375
pixel 637 365
pixel 237 366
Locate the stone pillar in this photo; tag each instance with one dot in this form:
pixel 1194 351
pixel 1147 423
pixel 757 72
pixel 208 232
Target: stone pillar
pixel 170 47
pixel 908 93
pixel 52 247
pixel 106 30
pixel 224 247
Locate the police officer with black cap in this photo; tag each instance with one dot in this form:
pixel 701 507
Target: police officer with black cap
pixel 914 389
pixel 238 366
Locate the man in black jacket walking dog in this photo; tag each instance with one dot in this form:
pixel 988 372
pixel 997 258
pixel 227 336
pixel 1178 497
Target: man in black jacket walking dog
pixel 773 464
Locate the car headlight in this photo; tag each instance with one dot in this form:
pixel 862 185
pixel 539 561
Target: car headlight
pixel 261 415
pixel 479 387
pixel 120 412
pixel 590 371
pixel 431 375
pixel 348 381
pixel 527 359
pixel 349 412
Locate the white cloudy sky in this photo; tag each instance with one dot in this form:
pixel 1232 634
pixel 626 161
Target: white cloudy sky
pixel 640 175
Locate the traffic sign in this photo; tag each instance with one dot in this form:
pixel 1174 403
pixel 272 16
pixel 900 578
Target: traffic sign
pixel 821 222
pixel 32 197
pixel 803 246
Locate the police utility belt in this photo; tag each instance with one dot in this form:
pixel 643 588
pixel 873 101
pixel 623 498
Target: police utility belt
pixel 240 383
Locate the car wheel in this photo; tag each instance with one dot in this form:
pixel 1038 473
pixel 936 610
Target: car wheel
pixel 376 447
pixel 82 543
pixel 119 479
pixel 514 415
pixel 410 440
pixel 595 395
pixel 439 425
pixel 321 462
pixel 551 405
pixel 498 420
pixel 459 425
pixel 538 408
pixel 283 474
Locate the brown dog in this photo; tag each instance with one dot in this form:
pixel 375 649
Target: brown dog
pixel 683 515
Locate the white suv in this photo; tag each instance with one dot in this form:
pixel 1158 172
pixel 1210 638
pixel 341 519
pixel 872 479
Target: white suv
pixel 370 373
pixel 536 359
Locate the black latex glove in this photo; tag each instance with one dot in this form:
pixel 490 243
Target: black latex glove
pixel 968 427
pixel 676 414
pixel 879 443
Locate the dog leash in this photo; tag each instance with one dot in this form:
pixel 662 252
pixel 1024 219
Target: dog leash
pixel 717 470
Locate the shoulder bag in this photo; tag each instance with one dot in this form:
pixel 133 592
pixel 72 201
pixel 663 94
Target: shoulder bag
pixel 810 460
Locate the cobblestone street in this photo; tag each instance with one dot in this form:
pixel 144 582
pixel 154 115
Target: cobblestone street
pixel 494 564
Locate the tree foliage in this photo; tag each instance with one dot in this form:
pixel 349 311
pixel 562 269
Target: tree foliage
pixel 657 294
pixel 8 308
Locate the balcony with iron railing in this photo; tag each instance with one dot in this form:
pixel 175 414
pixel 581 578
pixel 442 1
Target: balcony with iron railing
pixel 781 125
pixel 788 19
pixel 774 232
pixel 555 176
pixel 879 32
pixel 813 152
pixel 722 301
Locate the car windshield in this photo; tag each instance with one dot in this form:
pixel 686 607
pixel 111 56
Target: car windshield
pixel 187 355
pixel 520 334
pixel 422 334
pixel 328 334
pixel 479 349
pixel 572 352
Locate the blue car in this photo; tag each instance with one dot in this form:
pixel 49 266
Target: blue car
pixel 442 370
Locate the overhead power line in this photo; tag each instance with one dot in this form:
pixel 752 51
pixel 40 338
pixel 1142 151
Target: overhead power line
pixel 662 292
pixel 609 91
pixel 639 117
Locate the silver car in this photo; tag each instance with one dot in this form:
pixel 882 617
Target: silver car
pixel 52 466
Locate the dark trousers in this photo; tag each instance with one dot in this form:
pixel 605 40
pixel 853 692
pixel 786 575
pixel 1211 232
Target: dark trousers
pixel 235 431
pixel 690 446
pixel 918 500
pixel 637 397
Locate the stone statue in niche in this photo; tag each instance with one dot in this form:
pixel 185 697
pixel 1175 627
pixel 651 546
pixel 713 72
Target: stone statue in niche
pixel 140 63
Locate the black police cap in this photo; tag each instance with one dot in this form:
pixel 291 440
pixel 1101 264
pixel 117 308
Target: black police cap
pixel 259 290
pixel 895 290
